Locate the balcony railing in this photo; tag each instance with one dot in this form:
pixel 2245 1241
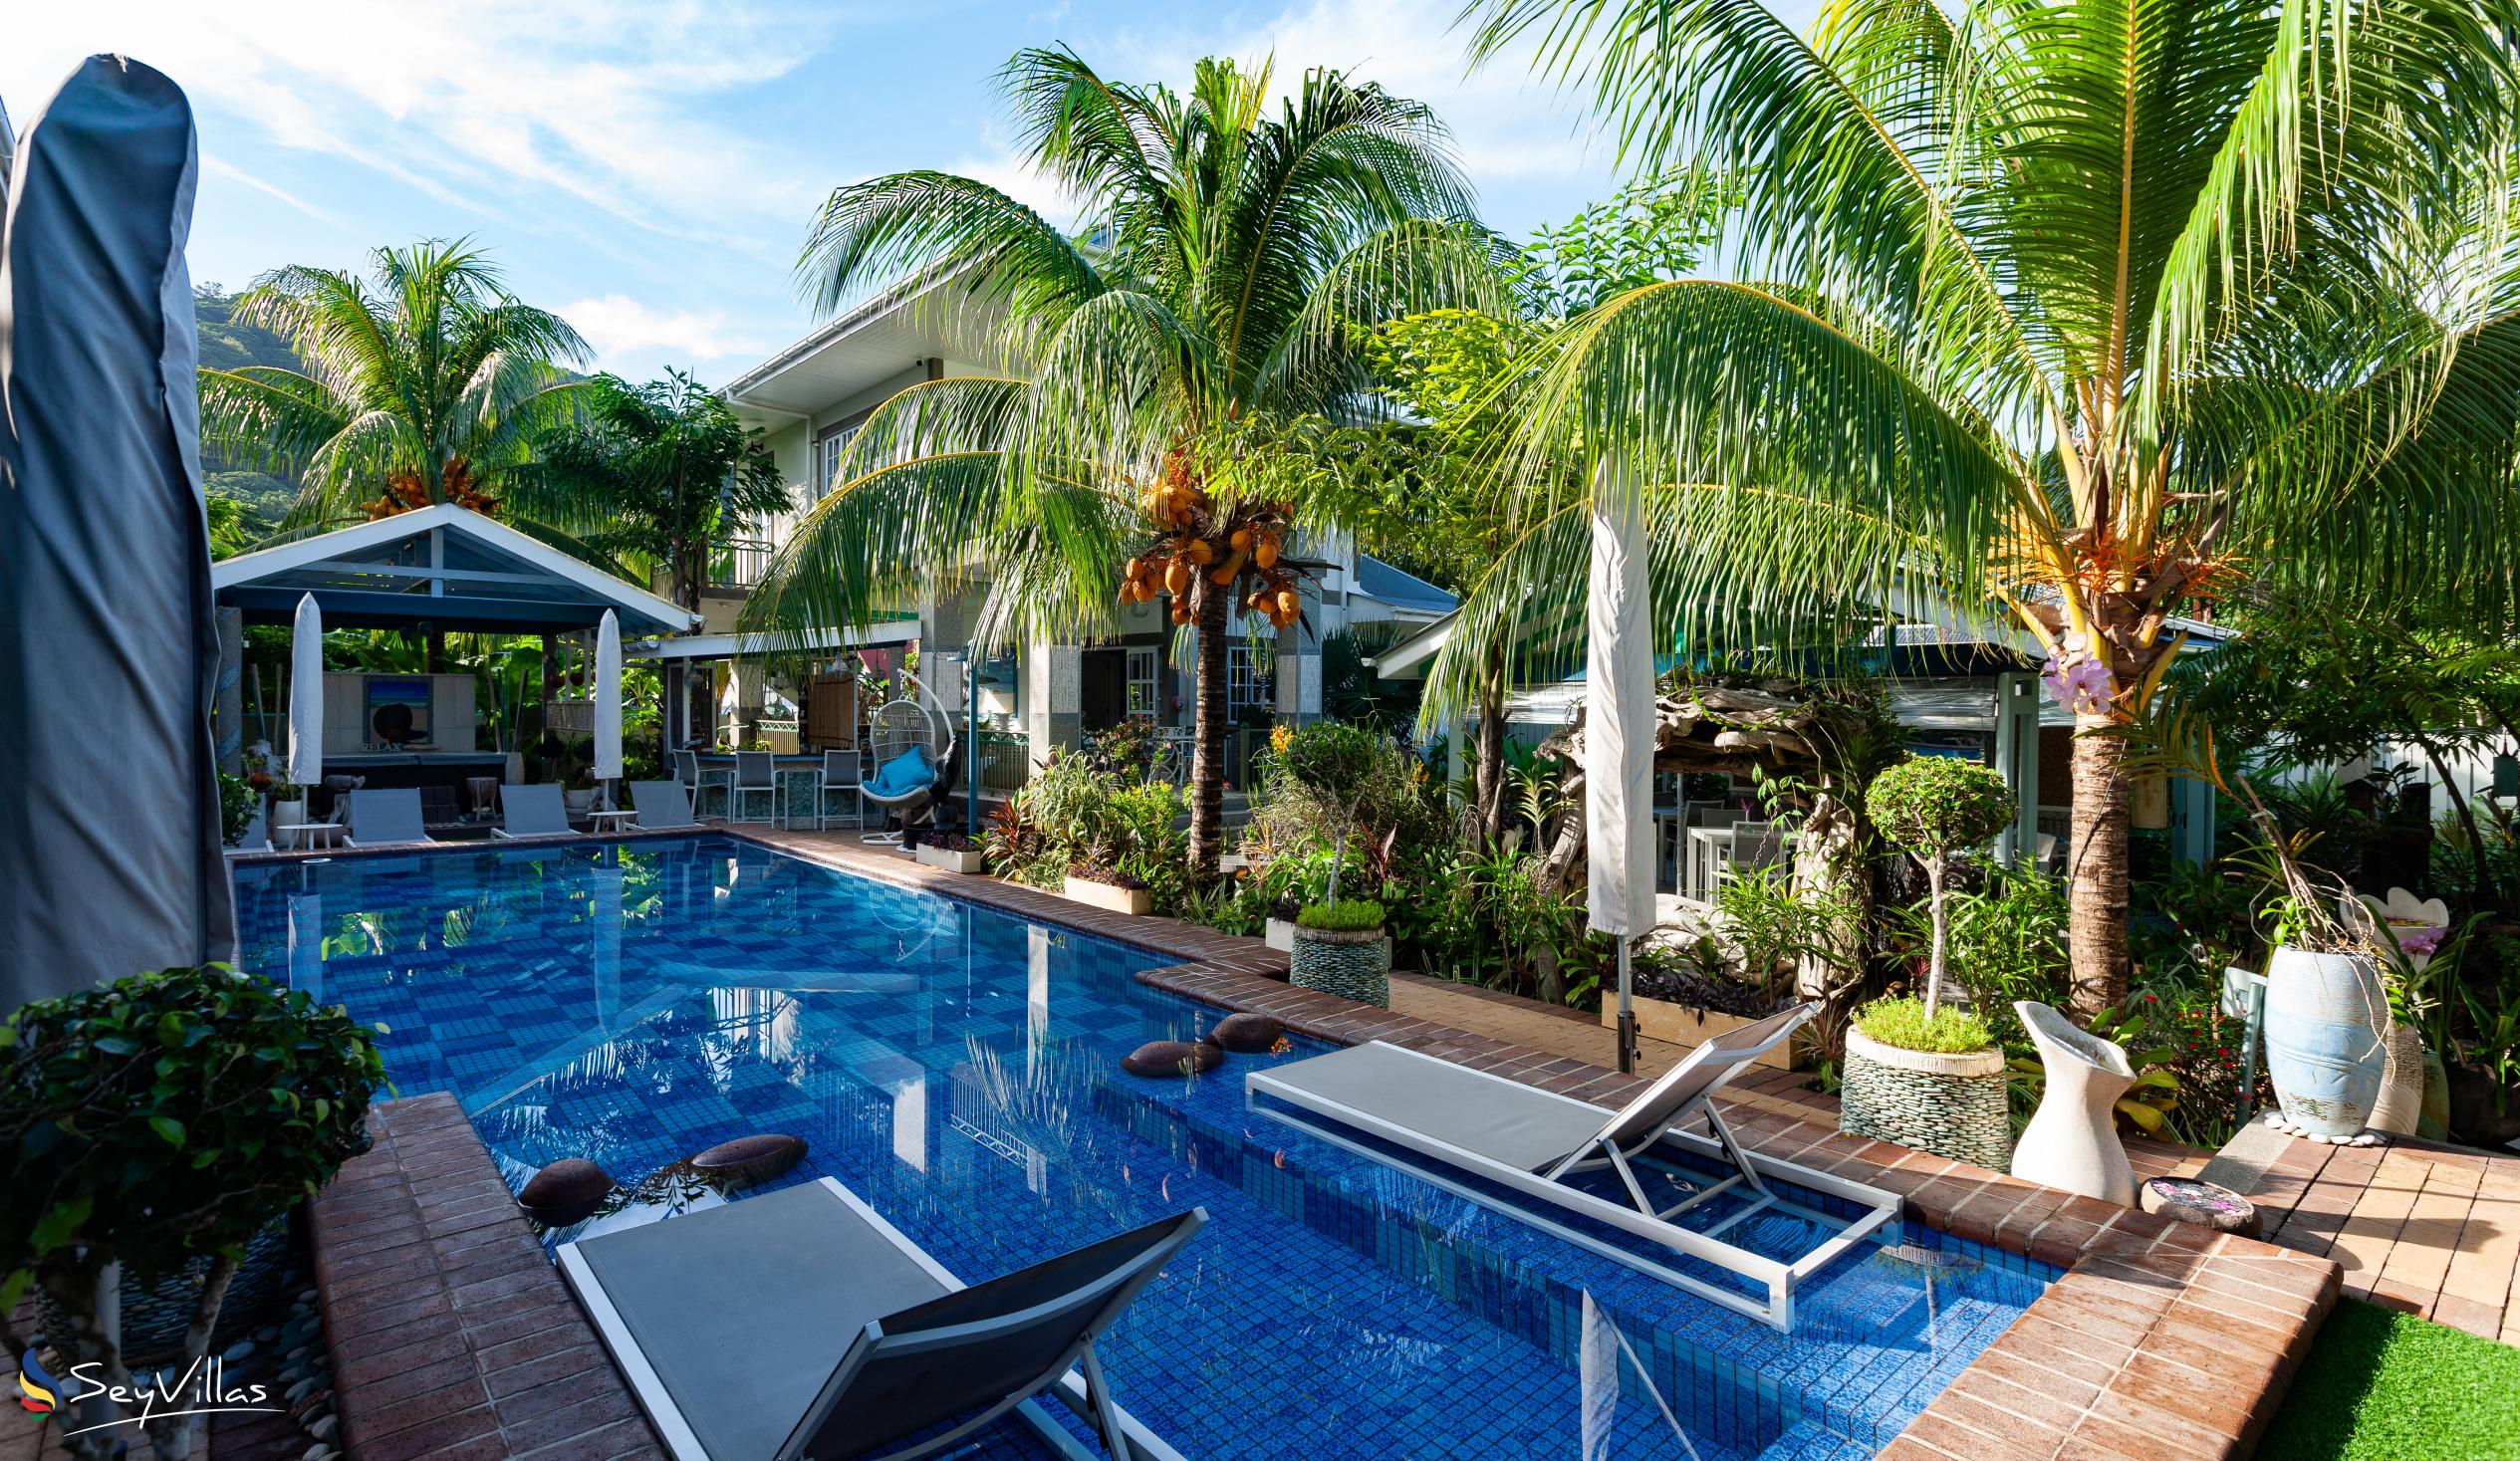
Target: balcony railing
pixel 738 563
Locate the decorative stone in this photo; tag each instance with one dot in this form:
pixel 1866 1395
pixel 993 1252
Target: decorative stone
pixel 749 1160
pixel 1174 1057
pixel 1247 1033
pixel 568 1191
pixel 237 1351
pixel 2188 1200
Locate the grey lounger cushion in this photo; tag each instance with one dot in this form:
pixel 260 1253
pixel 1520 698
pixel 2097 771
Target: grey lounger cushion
pixel 1506 1122
pixel 662 804
pixel 536 811
pixel 385 816
pixel 745 1309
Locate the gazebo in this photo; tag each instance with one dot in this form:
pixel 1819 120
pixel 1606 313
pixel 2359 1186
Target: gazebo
pixel 436 570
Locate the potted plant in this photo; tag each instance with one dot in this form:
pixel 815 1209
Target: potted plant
pixel 1918 1073
pixel 951 850
pixel 1107 888
pixel 288 804
pixel 162 1125
pixel 1340 949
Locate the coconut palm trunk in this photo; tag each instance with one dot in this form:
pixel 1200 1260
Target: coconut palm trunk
pixel 1207 736
pixel 1489 783
pixel 2095 865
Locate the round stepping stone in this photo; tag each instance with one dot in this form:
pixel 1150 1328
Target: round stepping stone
pixel 568 1191
pixel 2202 1203
pixel 749 1160
pixel 1247 1033
pixel 1174 1057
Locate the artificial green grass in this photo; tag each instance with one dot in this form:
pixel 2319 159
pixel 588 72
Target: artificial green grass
pixel 2381 1386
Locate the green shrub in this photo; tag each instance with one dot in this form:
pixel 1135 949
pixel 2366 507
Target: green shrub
pixel 164 1116
pixel 1348 915
pixel 1934 807
pixel 1902 1025
pixel 237 803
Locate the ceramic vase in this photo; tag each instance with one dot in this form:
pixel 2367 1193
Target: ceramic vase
pixel 2072 1142
pixel 2400 1104
pixel 2324 1048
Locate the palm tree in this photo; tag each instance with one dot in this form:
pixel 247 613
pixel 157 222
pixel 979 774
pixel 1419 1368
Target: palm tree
pixel 425 383
pixel 655 471
pixel 2077 311
pixel 1205 313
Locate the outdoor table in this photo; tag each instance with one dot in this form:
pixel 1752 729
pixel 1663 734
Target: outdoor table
pixel 305 833
pixel 609 819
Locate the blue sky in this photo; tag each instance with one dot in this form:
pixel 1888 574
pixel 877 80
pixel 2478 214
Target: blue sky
pixel 647 167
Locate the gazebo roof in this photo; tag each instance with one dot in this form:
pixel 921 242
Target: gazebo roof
pixel 446 567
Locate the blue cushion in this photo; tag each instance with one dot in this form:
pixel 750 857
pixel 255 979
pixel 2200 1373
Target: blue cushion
pixel 902 775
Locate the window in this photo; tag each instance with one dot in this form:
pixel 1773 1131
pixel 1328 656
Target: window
pixel 1249 679
pixel 1142 686
pixel 828 452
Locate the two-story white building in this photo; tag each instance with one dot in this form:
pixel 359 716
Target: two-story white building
pixel 811 397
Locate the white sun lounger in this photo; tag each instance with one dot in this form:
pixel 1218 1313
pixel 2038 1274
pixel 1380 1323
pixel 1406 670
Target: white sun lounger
pixel 662 806
pixel 386 818
pixel 801 1324
pixel 1465 1123
pixel 533 811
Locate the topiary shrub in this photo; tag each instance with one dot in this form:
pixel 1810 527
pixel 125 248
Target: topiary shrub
pixel 1931 807
pixel 1336 763
pixel 164 1116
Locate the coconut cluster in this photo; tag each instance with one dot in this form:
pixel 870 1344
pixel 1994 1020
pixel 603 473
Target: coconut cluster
pixel 1246 545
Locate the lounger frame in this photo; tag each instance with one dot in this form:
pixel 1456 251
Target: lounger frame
pixel 1081 1389
pixel 1638 1216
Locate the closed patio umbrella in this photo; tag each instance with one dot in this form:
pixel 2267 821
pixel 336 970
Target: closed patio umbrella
pixel 109 832
pixel 1619 737
pixel 306 694
pixel 608 704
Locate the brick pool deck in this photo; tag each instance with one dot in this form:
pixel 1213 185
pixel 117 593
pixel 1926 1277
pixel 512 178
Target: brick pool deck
pixel 453 1339
pixel 2430 1229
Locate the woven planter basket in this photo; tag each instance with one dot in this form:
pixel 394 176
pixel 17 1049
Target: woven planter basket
pixel 1952 1106
pixel 156 1315
pixel 1352 964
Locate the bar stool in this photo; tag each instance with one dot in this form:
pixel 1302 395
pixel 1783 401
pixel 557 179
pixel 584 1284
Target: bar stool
pixel 756 775
pixel 688 769
pixel 843 775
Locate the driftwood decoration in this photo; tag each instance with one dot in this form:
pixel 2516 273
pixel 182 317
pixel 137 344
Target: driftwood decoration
pixel 1822 732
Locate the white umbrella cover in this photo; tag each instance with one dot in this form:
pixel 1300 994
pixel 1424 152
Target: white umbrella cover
pixel 1618 736
pixel 306 694
pixel 607 699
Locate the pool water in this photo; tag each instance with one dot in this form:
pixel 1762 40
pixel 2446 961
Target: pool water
pixel 958 1068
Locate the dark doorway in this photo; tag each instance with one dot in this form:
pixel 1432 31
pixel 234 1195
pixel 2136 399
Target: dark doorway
pixel 1105 693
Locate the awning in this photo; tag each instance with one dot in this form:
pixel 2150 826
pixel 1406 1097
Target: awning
pixel 749 647
pixel 446 567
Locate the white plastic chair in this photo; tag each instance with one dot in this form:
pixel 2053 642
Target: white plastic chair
pixel 756 775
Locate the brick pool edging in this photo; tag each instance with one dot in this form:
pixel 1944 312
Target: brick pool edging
pixel 451 1334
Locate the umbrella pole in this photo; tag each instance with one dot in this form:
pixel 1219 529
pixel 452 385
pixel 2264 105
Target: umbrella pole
pixel 1626 1011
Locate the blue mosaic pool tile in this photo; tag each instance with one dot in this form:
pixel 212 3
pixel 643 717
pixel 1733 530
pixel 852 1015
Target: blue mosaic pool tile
pixel 956 1067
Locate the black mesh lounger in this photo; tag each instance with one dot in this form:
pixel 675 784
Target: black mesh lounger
pixel 1532 1141
pixel 800 1325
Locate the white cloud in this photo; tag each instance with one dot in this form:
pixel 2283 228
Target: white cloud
pixel 466 97
pixel 227 169
pixel 628 335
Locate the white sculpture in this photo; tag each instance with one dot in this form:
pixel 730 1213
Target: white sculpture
pixel 2072 1142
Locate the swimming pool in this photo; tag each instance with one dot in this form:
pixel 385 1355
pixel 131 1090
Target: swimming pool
pixel 957 1067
